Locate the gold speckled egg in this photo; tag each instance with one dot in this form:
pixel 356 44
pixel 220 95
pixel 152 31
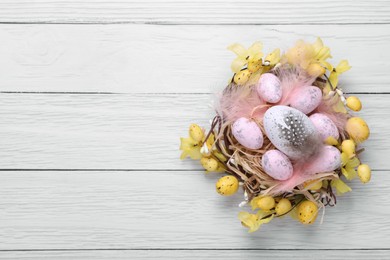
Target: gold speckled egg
pixel 357 129
pixel 266 203
pixel 210 164
pixel 307 212
pixel 364 173
pixel 242 77
pixel 196 132
pixel 354 103
pixel 227 185
pixel 313 185
pixel 348 146
pixel 283 206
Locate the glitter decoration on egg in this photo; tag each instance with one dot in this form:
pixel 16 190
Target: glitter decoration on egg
pixel 285 137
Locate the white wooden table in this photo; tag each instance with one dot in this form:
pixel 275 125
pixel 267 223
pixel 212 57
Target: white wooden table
pixel 95 95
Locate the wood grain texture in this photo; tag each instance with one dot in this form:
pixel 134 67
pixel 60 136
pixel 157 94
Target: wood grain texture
pixel 170 59
pixel 171 210
pixel 202 254
pixel 195 12
pixel 113 131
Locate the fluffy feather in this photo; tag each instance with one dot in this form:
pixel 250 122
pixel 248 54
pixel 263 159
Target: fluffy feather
pixel 239 101
pixel 292 79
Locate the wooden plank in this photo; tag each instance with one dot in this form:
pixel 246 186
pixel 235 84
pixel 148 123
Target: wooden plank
pixel 85 131
pixel 171 210
pixel 200 254
pixel 170 59
pixel 195 12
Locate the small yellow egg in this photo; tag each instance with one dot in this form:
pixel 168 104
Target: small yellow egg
pixel 315 70
pixel 283 206
pixel 196 132
pixel 227 185
pixel 313 185
pixel 354 103
pixel 364 173
pixel 348 146
pixel 242 77
pixel 357 129
pixel 254 65
pixel 307 212
pixel 266 203
pixel 210 164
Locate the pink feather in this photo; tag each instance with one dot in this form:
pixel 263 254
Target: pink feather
pixel 239 101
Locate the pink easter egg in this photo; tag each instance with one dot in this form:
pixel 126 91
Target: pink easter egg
pixel 268 88
pixel 324 125
pixel 247 133
pixel 306 99
pixel 277 165
pixel 328 159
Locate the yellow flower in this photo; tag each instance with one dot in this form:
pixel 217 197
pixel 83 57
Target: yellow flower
pixel 190 148
pixel 251 55
pixel 273 58
pixel 342 67
pixel 340 186
pixel 254 221
pixel 348 165
pixel 310 57
pixel 192 145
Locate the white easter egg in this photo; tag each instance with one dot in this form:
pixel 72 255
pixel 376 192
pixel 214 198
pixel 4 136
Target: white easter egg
pixel 247 133
pixel 277 165
pixel 328 159
pixel 324 125
pixel 269 88
pixel 291 131
pixel 307 99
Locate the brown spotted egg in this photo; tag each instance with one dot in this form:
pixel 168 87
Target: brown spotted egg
pixel 307 99
pixel 277 165
pixel 325 126
pixel 247 133
pixel 269 88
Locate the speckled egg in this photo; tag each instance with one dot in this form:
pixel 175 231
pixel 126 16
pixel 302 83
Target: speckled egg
pixel 328 159
pixel 247 133
pixel 325 126
pixel 227 185
pixel 277 165
pixel 290 131
pixel 269 89
pixel 307 212
pixel 307 99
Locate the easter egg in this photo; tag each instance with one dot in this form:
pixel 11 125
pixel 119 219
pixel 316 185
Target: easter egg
pixel 354 103
pixel 307 212
pixel 265 203
pixel 247 133
pixel 306 99
pixel 325 126
pixel 328 159
pixel 196 132
pixel 277 165
pixel 210 164
pixel 268 88
pixel 227 185
pixel 357 129
pixel 291 131
pixel 364 173
pixel 283 206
